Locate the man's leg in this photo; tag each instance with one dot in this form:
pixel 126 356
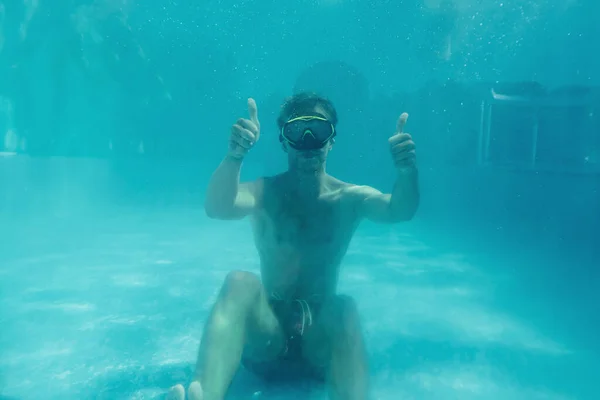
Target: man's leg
pixel 335 344
pixel 241 318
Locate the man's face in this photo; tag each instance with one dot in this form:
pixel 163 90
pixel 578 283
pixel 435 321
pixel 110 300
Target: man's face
pixel 309 160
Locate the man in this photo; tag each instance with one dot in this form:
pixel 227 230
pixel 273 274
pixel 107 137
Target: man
pixel 290 321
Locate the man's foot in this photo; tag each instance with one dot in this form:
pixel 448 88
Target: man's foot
pixel 177 392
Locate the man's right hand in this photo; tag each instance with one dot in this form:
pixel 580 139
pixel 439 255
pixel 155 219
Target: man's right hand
pixel 244 133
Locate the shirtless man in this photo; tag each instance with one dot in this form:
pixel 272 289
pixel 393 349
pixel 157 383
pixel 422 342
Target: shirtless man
pixel 290 320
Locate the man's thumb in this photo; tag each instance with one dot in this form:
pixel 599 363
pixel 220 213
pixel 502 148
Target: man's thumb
pixel 253 111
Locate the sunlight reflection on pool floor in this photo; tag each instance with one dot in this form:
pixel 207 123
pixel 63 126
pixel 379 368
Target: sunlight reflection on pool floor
pixel 120 318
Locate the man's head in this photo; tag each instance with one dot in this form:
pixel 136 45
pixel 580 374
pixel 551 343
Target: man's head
pixel 307 128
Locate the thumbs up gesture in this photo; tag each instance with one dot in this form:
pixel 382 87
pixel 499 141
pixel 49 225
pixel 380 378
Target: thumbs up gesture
pixel 244 133
pixel 402 146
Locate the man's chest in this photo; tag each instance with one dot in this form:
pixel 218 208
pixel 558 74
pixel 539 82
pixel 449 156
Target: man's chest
pixel 289 221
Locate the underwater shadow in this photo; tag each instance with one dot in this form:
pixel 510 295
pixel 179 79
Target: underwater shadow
pixel 125 383
pixel 563 373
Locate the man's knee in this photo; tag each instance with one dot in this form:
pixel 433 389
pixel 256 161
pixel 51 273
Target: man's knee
pixel 242 286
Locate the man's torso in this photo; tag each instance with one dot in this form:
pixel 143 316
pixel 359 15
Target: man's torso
pixel 302 239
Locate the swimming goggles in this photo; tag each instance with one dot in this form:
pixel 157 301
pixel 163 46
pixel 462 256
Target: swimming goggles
pixel 307 132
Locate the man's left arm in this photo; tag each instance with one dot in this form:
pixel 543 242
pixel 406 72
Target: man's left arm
pixel 403 202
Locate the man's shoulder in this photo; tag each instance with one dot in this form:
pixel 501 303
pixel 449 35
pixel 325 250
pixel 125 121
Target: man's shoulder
pixel 264 180
pixel 354 192
pixel 270 180
pixel 358 191
pixel 266 186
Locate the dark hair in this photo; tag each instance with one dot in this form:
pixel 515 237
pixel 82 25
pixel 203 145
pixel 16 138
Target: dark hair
pixel 304 104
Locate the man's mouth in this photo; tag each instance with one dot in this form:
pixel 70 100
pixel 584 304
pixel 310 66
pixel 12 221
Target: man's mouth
pixel 309 154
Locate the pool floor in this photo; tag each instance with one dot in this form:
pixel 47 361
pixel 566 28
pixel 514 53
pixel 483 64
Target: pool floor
pixel 113 308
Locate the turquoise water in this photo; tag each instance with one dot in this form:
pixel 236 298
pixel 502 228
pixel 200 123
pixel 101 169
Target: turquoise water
pixel 116 311
pixel 114 113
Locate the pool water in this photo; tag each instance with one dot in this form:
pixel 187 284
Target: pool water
pixel 112 307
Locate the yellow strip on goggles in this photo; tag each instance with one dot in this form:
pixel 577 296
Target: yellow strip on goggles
pixel 307 132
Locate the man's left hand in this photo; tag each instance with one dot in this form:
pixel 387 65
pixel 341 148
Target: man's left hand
pixel 402 146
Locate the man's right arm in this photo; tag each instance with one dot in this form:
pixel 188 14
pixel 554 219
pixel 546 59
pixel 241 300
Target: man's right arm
pixel 226 197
